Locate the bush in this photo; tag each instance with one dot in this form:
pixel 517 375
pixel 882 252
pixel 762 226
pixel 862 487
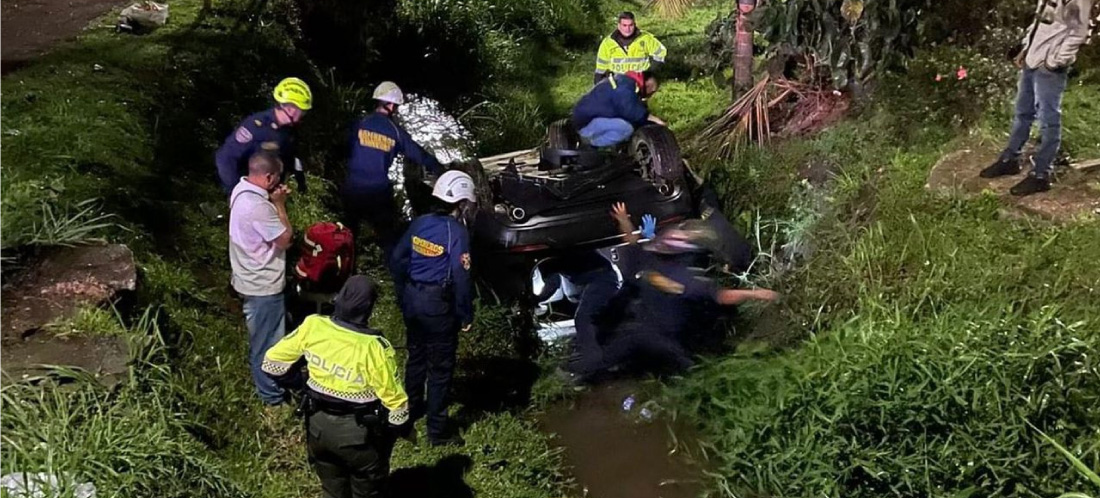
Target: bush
pixel 950 87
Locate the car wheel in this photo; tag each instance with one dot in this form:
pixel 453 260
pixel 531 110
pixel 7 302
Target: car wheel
pixel 561 135
pixel 657 154
pixel 476 171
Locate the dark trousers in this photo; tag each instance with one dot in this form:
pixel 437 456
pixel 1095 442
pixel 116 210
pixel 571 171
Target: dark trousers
pixel 377 209
pixel 599 289
pixel 432 339
pixel 353 461
pixel 650 350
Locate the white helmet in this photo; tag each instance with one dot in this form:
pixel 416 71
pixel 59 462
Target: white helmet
pixel 454 186
pixel 388 91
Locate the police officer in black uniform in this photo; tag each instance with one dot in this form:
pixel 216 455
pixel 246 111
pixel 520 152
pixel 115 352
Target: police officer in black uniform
pixel 431 266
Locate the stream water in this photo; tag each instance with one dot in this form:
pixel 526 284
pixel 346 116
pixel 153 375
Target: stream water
pixel 615 453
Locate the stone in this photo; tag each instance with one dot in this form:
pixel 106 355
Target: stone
pixel 54 287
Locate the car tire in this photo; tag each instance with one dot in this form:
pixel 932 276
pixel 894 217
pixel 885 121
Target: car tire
pixel 476 171
pixel 656 152
pixel 561 135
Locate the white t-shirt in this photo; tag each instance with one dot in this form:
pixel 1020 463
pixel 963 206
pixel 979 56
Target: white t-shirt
pixel 259 267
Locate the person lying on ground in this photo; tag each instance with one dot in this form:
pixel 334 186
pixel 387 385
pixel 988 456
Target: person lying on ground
pixel 608 114
pixel 1047 51
pixel 355 406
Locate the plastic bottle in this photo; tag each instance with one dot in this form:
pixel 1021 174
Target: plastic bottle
pixel 628 403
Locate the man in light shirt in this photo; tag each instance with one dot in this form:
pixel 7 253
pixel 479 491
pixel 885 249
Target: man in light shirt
pixel 259 234
pixel 1050 47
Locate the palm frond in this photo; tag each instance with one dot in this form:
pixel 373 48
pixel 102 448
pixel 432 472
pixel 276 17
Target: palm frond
pixel 670 8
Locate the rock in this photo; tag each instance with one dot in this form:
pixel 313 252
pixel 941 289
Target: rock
pixel 1074 194
pixel 53 288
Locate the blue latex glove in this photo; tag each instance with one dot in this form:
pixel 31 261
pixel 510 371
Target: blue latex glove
pixel 649 226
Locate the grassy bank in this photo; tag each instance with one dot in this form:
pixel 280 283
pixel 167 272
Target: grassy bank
pixel 927 342
pixel 129 125
pixel 922 344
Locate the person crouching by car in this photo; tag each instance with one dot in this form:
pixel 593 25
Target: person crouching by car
pixel 355 406
pixel 608 114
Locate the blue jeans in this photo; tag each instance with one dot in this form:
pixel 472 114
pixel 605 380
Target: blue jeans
pixel 1040 92
pixel 266 319
pixel 605 132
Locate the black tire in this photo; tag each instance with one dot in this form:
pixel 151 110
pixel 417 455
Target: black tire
pixel 656 152
pixel 561 135
pixel 476 171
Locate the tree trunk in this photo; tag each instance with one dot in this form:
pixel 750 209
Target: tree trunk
pixel 742 54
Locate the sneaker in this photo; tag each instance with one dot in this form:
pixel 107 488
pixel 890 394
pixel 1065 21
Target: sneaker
pixel 452 440
pixel 1003 167
pixel 1030 185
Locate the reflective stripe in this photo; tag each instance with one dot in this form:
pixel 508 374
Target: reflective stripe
pixel 275 367
pixel 367 396
pixel 400 415
pixel 629 60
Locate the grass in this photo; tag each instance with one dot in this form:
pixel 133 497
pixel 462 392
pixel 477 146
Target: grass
pixel 133 121
pixel 928 345
pixel 925 345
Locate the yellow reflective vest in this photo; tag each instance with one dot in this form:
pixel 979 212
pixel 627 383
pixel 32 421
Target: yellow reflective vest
pixel 636 57
pixel 343 364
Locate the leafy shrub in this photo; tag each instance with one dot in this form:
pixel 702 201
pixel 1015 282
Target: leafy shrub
pixel 849 39
pixel 950 86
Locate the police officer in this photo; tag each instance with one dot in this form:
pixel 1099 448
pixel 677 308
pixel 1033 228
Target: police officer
pixel 269 131
pixel 354 402
pixel 628 49
pixel 662 289
pixel 367 192
pixel 431 266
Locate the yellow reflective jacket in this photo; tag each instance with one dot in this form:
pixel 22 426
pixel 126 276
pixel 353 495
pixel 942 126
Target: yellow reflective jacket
pixel 343 364
pixel 636 57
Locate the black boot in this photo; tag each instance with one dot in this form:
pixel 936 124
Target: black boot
pixel 1003 167
pixel 1030 185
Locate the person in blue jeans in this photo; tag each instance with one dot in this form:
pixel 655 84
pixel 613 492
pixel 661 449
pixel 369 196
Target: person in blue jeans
pixel 259 235
pixel 1048 50
pixel 608 114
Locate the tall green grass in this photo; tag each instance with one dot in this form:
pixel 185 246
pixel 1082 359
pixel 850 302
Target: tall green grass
pixel 945 349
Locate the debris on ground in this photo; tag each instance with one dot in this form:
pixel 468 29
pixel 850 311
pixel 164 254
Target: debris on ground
pixel 143 17
pixel 1074 194
pixel 44 485
pixel 54 288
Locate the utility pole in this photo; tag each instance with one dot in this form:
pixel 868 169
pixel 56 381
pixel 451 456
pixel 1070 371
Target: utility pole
pixel 742 54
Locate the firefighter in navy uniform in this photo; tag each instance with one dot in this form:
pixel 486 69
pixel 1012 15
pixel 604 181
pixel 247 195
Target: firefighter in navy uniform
pixel 662 288
pixel 367 193
pixel 269 131
pixel 355 406
pixel 431 266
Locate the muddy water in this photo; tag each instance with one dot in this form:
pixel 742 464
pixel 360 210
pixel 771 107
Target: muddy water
pixel 617 454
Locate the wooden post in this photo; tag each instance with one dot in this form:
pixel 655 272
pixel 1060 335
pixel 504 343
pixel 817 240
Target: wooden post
pixel 742 54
